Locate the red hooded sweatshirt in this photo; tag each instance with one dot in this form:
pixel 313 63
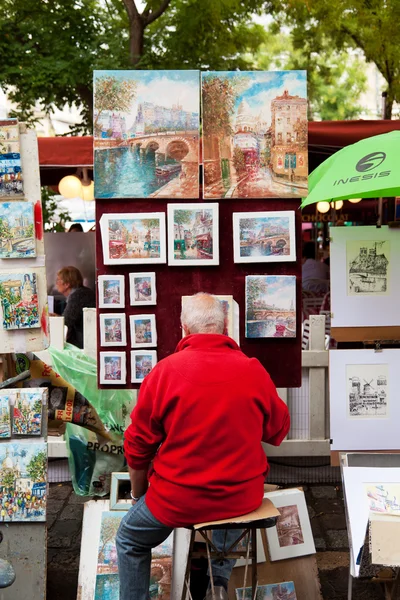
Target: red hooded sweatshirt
pixel 201 416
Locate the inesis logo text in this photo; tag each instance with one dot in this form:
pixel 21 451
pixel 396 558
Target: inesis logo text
pixel 370 162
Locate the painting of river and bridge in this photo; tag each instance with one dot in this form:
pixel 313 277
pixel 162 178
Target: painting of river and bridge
pixel 270 306
pixel 17 235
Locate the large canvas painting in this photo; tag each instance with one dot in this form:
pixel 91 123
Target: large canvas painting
pixel 368 267
pixel 27 413
pixel 10 159
pixel 146 134
pixel 367 391
pixel 23 470
pixel 264 237
pixel 5 418
pixel 255 134
pixel 193 234
pixel 271 591
pixel 270 306
pixel 19 300
pixel 17 230
pixel 107 579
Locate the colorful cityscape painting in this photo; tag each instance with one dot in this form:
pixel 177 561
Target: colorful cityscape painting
pixel 19 300
pixel 142 363
pixel 270 306
pixel 384 498
pixel 17 235
pixel 264 236
pixel 112 367
pixel 10 159
pixel 107 579
pixel 146 134
pixel 142 288
pixel 27 413
pixel 111 291
pixel 143 331
pixel 113 329
pixel 273 591
pixel 193 234
pixel 23 475
pixel 5 417
pixel 255 134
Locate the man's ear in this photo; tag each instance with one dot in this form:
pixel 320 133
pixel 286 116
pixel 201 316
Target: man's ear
pixel 185 330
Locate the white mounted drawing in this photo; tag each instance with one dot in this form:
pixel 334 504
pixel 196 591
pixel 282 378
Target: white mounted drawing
pixel 142 362
pixel 111 291
pixel 142 289
pixel 143 331
pixel 112 329
pixel 112 368
pixel 193 234
pixel 368 267
pixel 367 391
pixel 264 237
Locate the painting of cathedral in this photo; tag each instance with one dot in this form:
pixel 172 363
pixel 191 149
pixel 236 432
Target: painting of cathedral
pixel 17 230
pixel 255 134
pixel 23 481
pixel 19 300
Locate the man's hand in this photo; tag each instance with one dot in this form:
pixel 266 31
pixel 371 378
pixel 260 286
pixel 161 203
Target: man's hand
pixel 139 483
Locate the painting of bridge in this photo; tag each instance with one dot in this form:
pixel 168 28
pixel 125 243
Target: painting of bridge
pixel 146 134
pixel 17 236
pixel 270 306
pixel 264 236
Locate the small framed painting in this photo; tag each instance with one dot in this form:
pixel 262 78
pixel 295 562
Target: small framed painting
pixel 112 368
pixel 264 237
pixel 143 331
pixel 111 291
pixel 142 362
pixel 133 238
pixel 193 234
pixel 113 329
pixel 17 231
pixel 142 288
pixel 27 412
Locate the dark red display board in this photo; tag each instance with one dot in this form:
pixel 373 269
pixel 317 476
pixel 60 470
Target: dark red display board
pixel 280 356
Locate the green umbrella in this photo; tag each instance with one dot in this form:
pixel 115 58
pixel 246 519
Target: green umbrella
pixel 367 169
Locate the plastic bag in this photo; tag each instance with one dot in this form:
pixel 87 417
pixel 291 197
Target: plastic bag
pixel 91 458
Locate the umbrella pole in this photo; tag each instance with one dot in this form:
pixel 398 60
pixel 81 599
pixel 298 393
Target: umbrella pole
pixel 380 211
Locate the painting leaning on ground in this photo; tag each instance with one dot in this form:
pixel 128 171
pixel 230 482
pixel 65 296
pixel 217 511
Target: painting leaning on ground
pixel 17 236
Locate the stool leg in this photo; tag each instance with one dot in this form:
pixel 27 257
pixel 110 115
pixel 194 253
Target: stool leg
pixel 210 571
pixel 186 583
pixel 254 562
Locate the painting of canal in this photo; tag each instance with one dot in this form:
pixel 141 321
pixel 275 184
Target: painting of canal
pixel 10 159
pixel 193 234
pixel 264 237
pixel 255 133
pixel 270 306
pixel 19 300
pixel 368 268
pixel 17 236
pixel 133 238
pixel 146 134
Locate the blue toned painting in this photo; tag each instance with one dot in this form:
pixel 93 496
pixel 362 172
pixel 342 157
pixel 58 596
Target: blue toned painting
pixel 270 306
pixel 264 236
pixel 10 159
pixel 17 230
pixel 273 591
pixel 146 134
pixel 255 134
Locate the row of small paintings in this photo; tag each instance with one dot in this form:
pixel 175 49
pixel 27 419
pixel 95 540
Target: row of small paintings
pixel 142 328
pixel 17 230
pixel 113 366
pixel 139 238
pixel 11 184
pixel 112 290
pixel 21 412
pixel 254 134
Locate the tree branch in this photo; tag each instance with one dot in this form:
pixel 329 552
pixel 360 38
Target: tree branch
pixel 150 17
pixel 132 10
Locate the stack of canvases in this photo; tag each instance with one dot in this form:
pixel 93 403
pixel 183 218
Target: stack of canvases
pixel 146 140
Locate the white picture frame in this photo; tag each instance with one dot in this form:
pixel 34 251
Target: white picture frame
pixel 136 375
pixel 137 297
pixel 194 241
pixel 115 296
pixel 148 329
pixel 108 370
pixel 292 536
pixel 112 329
pixel 117 503
pixel 278 245
pixel 132 236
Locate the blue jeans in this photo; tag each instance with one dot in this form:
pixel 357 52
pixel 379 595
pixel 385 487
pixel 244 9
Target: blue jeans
pixel 138 533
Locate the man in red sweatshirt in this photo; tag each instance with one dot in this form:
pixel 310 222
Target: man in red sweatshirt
pixel 201 416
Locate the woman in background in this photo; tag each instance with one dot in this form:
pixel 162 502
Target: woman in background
pixel 69 282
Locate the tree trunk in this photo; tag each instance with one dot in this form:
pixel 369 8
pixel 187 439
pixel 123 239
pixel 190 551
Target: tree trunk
pixel 136 41
pixel 388 106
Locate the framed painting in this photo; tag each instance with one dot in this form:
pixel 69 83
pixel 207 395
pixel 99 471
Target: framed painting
pixel 19 300
pixel 17 230
pixel 111 291
pixel 255 134
pixel 264 237
pixel 142 362
pixel 143 331
pixel 142 287
pixel 11 180
pixel 27 412
pixel 270 306
pixel 5 416
pixel 134 238
pixel 112 368
pixel 112 329
pixel 193 234
pixel 146 134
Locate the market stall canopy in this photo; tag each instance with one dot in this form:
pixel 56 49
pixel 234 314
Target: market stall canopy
pixel 367 169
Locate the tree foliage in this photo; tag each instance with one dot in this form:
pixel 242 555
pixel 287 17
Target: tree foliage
pixel 37 467
pixel 53 218
pixel 113 94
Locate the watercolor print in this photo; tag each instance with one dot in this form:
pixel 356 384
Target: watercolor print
pixel 264 237
pixel 133 238
pixel 111 291
pixel 193 234
pixel 142 362
pixel 384 498
pixel 107 579
pixel 367 391
pixel 270 306
pixel 23 481
pixel 19 300
pixel 146 134
pixel 17 230
pixel 368 265
pixel 272 591
pixel 112 368
pixel 289 527
pixel 5 417
pixel 255 134
pixel 10 159
pixel 113 329
pixel 143 331
pixel 27 413
pixel 142 289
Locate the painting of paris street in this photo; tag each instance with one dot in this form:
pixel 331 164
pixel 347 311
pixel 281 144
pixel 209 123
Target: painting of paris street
pixel 146 134
pixel 270 306
pixel 193 234
pixel 17 237
pixel 19 300
pixel 255 134
pixel 367 268
pixel 264 237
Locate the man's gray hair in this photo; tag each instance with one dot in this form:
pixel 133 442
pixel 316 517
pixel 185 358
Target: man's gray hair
pixel 203 313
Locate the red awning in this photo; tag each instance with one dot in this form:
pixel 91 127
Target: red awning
pixel 66 151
